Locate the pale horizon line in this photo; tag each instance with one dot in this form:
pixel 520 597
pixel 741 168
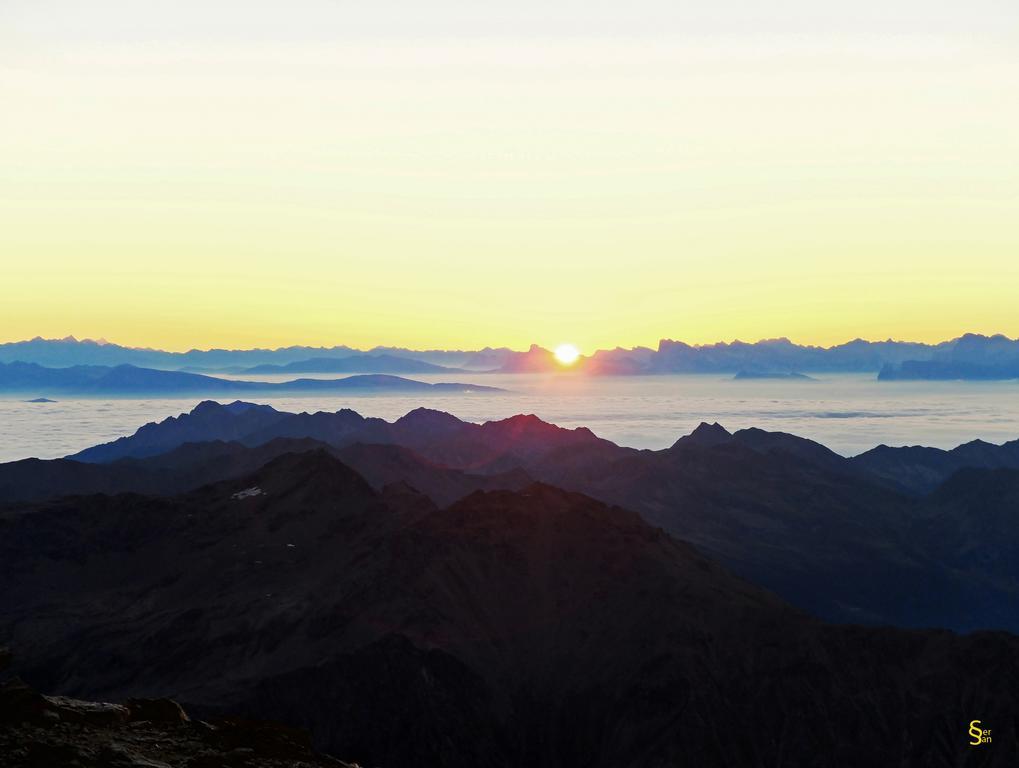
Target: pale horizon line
pixel 102 341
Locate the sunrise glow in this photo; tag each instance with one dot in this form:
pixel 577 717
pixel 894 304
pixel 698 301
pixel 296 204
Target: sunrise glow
pixel 567 354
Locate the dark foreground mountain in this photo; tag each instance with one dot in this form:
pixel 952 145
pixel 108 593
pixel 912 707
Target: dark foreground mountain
pixel 791 515
pixel 842 538
pixel 537 628
pixel 969 525
pixel 192 465
pixel 94 380
pixel 919 470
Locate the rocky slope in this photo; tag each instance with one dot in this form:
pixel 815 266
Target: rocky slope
pixel 536 627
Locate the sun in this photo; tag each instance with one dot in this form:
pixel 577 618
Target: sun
pixel 567 354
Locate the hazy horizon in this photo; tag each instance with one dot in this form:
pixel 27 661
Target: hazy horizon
pixel 438 347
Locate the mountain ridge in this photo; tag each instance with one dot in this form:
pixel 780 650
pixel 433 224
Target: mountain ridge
pixel 835 536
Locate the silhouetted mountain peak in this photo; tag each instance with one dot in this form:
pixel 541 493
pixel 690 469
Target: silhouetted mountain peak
pixel 670 344
pixel 530 434
pixel 542 513
pixel 241 406
pixel 307 462
pixel 209 407
pixel 520 420
pixel 970 338
pixel 521 424
pixel 206 407
pixel 350 414
pixel 799 447
pixel 429 420
pixel 314 474
pixel 705 435
pixel 976 444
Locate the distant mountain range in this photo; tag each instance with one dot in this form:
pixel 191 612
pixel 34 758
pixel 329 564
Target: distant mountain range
pixel 534 626
pixel 71 351
pixel 975 358
pixel 967 357
pixel 353 364
pixel 123 380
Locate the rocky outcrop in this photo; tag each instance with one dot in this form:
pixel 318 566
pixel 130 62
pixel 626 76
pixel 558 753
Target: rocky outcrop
pixel 39 731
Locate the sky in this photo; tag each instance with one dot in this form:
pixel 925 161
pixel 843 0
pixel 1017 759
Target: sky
pixel 460 174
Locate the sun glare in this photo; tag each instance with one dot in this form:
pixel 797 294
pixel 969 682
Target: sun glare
pixel 567 354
